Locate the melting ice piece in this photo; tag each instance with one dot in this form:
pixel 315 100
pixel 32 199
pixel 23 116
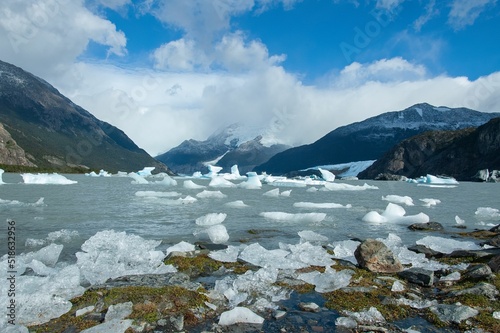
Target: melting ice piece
pixel 220 181
pixel 253 181
pixel 146 171
pixel 227 255
pixel 395 213
pixel 286 193
pixel 327 175
pixel 312 255
pixel 156 194
pixel 312 189
pixel 167 180
pixel 181 247
pixel 325 205
pixel 45 178
pixel 298 217
pixel 369 317
pixel 431 179
pixel 218 234
pixel 446 245
pixel 235 171
pixel 213 171
pixel 328 281
pixel 345 250
pixel 398 199
pixel 110 254
pixel 458 220
pixel 311 236
pixel 137 179
pixel 348 187
pixel 1 176
pixel 211 219
pixel 236 204
pixel 488 213
pixel 181 201
pixel 211 194
pixel 272 193
pixel 239 315
pixel 428 202
pixel 257 255
pixel 190 185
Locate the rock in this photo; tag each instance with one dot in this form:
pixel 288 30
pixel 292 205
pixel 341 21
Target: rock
pixel 495 241
pixel 494 176
pixel 485 253
pixel 494 264
pixel 429 253
pixel 420 276
pixel 454 313
pixel 388 176
pixel 210 246
pixel 483 288
pixel 481 176
pixel 496 229
pixel 377 257
pixel 428 226
pixel 309 307
pixel 346 322
pixel 178 322
pixel 477 272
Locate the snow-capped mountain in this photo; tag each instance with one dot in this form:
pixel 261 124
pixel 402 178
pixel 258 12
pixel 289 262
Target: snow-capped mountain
pixel 235 144
pixel 371 138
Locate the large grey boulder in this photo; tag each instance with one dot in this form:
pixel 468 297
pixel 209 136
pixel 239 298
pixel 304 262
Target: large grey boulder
pixel 420 276
pixel 453 313
pixel 377 257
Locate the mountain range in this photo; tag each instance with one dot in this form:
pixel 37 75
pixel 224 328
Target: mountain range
pixel 40 129
pixel 234 144
pixel 371 138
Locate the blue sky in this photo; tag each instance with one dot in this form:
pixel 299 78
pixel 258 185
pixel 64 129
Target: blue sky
pixel 166 71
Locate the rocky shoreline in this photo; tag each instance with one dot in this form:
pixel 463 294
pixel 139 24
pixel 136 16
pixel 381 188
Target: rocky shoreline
pixel 378 294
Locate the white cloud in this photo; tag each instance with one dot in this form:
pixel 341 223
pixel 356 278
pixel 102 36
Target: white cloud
pixel 47 35
pixel 179 55
pixel 430 12
pixel 465 12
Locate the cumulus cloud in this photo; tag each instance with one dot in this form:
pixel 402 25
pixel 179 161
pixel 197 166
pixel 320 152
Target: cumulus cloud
pixel 466 12
pixel 47 35
pixel 180 55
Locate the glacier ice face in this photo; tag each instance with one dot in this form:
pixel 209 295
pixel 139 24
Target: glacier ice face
pixel 110 254
pixel 398 199
pixel 45 178
pixel 294 218
pixel 239 315
pixel 211 219
pixel 205 194
pixel 446 245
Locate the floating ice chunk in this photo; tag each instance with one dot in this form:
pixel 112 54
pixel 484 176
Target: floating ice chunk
pixel 211 219
pixel 369 317
pixel 218 234
pixel 167 181
pixel 398 199
pixel 348 187
pixel 235 171
pixel 446 245
pixel 213 171
pixel 311 236
pixel 181 201
pixel 48 255
pixel 45 178
pixel 236 204
pixel 312 189
pixel 112 326
pixel 1 176
pixel 257 255
pixel 38 203
pixel 102 173
pixel 325 205
pixel 272 193
pixel 227 255
pixel 458 220
pixel 431 179
pixel 156 194
pixel 205 194
pixel 328 281
pixel 298 217
pixel 395 213
pixel 345 250
pixel 327 175
pixel 197 174
pixel 428 202
pixel 239 315
pixel 253 181
pixel 137 179
pixel 313 255
pixel 286 193
pixel 190 185
pixel 145 172
pixel 220 181
pixel 110 254
pixel 288 183
pixel 488 213
pixel 181 247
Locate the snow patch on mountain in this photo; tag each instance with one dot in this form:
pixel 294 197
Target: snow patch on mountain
pixel 351 169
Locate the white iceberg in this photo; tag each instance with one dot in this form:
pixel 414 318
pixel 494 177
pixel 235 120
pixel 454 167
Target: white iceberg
pixel 167 180
pixel 294 218
pixel 227 255
pixel 45 178
pixel 1 176
pixel 138 179
pixel 220 181
pixel 327 175
pixel 398 199
pixel 324 205
pixel 213 171
pixel 239 315
pixel 488 213
pixel 211 219
pixel 429 202
pixel 395 213
pixel 348 187
pixel 435 180
pixel 181 247
pixel 253 181
pixel 272 193
pixel 236 204
pixel 190 185
pixel 218 234
pixel 205 194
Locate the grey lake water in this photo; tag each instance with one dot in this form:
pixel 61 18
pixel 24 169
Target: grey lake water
pixel 94 204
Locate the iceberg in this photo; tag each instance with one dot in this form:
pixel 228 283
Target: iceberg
pixel 236 204
pixel 239 315
pixel 220 181
pixel 348 187
pixel 45 178
pixel 190 185
pixel 326 205
pixel 288 183
pixel 211 219
pixel 428 202
pixel 397 199
pixel 272 193
pixel 395 213
pixel 327 175
pixel 137 179
pixel 218 234
pixel 167 180
pixel 1 176
pixel 156 194
pixel 253 181
pixel 213 171
pixel 434 180
pixel 102 173
pixel 211 194
pixel 147 171
pixel 286 193
pixel 298 217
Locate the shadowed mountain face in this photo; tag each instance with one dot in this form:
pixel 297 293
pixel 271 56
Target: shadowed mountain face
pixel 53 133
pixel 459 154
pixel 371 138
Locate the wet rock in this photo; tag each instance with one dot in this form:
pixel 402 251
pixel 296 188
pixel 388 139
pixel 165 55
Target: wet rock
pixel 481 176
pixel 377 257
pixel 429 253
pixel 495 241
pixel 485 253
pixel 496 229
pixel 428 226
pixel 454 313
pixel 477 272
pixel 420 276
pixel 483 288
pixel 210 246
pixel 309 307
pixel 150 280
pixel 389 176
pixel 494 264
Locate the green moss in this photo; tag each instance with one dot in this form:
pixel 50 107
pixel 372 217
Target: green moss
pixel 203 265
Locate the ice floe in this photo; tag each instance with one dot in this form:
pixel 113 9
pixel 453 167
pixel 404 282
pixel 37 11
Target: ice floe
pixel 205 194
pixel 447 245
pixel 395 213
pixel 324 205
pixel 189 184
pixel 294 218
pixel 429 202
pixel 156 194
pixel 398 199
pixel 236 204
pixel 211 219
pixel 348 187
pixel 45 178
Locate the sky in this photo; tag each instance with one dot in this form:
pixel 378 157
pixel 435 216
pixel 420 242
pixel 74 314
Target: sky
pixel 167 71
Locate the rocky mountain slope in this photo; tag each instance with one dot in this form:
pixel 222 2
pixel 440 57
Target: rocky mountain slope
pixel 44 130
pixel 371 138
pixel 459 154
pixel 234 144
